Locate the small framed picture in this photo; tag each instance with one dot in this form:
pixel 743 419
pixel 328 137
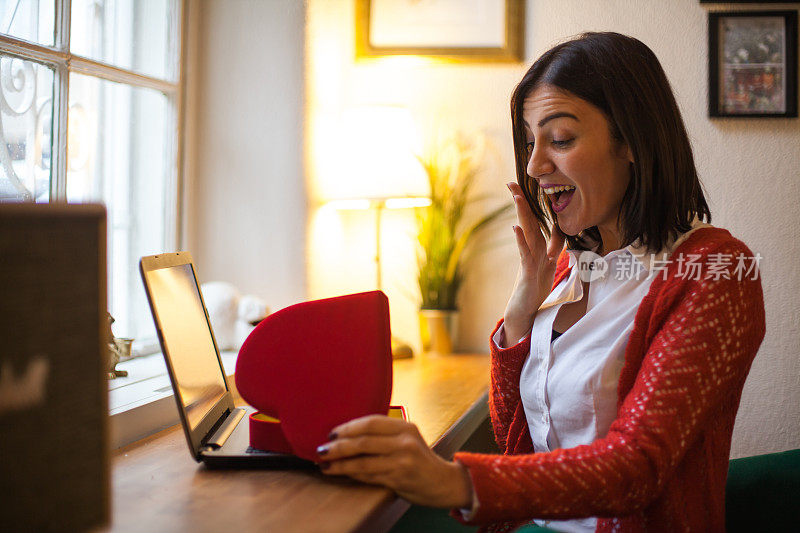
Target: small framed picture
pixel 752 64
pixel 459 30
pixel 746 1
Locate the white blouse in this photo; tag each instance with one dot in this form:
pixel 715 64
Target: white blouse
pixel 569 386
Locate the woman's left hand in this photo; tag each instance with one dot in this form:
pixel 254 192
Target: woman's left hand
pixel 391 452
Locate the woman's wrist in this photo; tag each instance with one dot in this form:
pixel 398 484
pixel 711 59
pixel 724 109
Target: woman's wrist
pixel 515 329
pixel 461 486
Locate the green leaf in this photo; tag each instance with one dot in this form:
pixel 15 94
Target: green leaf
pixel 443 229
pixel 466 236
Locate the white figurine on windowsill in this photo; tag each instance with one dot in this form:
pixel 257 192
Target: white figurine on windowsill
pixel 232 316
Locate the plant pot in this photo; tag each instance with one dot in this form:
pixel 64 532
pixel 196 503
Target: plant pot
pixel 438 329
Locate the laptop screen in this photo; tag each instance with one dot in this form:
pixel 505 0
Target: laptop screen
pixel 187 339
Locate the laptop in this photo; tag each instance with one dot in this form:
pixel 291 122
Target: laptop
pixel 217 431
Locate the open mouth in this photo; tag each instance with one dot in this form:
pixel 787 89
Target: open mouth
pixel 559 196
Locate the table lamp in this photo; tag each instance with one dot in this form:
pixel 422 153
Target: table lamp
pixel 380 170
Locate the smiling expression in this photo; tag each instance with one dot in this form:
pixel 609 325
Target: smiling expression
pixel 569 144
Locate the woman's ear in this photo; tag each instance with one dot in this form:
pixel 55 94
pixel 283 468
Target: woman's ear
pixel 623 151
pixel 627 153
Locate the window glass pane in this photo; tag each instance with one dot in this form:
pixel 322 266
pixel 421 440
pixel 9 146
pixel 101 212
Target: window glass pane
pixel 137 35
pixel 32 20
pixel 26 125
pixel 121 151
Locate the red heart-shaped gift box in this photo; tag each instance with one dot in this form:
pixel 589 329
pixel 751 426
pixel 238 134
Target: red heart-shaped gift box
pixel 313 366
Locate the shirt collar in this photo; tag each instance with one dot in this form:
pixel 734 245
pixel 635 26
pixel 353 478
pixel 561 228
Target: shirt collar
pixel 636 249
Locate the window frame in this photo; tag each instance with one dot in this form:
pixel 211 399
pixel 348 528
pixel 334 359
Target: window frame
pixel 63 62
pixel 144 415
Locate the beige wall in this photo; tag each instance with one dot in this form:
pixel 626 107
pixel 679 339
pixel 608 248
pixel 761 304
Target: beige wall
pixel 245 194
pixel 749 169
pixel 247 219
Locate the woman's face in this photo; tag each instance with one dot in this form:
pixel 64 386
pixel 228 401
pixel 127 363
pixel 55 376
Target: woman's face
pixel 569 145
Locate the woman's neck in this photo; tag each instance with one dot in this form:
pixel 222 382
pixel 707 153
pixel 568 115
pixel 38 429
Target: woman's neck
pixel 610 238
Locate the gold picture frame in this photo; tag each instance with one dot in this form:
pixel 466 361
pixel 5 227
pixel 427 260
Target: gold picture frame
pixel 502 42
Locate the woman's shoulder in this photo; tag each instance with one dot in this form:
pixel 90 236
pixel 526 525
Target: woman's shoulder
pixel 711 260
pixel 707 240
pixel 707 272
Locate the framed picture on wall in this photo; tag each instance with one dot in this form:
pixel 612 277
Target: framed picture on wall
pixel 748 1
pixel 460 30
pixel 752 64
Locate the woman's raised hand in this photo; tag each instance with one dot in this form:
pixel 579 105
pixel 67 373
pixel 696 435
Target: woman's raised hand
pixel 536 271
pixel 387 451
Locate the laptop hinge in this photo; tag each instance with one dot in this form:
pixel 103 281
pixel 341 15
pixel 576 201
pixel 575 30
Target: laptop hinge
pixel 217 440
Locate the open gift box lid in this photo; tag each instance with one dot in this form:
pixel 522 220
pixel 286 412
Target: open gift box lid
pixel 315 365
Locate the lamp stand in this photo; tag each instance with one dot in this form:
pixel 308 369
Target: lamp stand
pixel 400 349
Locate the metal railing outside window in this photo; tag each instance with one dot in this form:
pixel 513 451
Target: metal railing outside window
pixel 90 108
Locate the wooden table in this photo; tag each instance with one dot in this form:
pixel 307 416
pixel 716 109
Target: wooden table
pixel 157 486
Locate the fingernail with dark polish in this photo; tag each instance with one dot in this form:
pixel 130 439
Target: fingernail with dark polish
pixel 322 449
pixel 324 465
pixel 333 435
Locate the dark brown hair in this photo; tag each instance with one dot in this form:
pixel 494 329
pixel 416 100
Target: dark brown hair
pixel 622 77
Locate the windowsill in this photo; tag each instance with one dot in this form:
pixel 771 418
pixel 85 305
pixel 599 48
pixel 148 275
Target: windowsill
pixel 142 403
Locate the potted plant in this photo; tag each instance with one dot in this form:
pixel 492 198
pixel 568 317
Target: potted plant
pixel 445 230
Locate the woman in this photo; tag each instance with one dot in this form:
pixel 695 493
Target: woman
pixel 614 389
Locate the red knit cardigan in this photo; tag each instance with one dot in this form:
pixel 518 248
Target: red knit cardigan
pixel 664 462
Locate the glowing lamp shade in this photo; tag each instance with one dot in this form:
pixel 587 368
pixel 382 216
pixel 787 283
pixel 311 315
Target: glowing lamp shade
pixel 376 167
pixel 377 159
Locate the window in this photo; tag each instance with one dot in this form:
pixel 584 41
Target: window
pixel 89 112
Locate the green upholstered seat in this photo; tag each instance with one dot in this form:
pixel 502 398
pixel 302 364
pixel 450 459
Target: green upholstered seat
pixel 763 493
pixel 420 519
pixel 425 519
